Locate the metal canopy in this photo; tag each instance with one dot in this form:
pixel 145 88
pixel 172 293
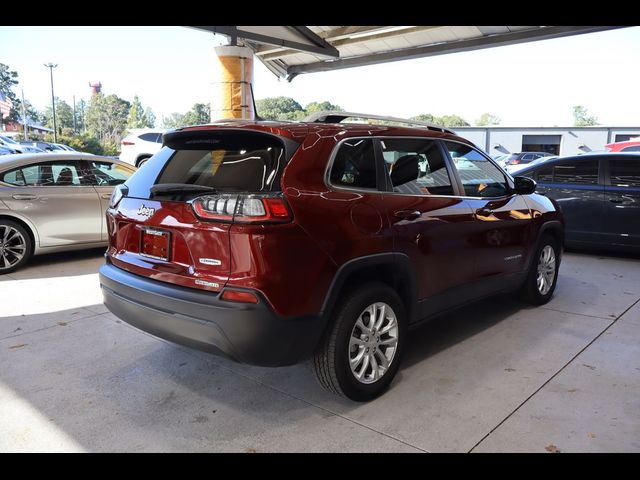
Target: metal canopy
pixel 290 51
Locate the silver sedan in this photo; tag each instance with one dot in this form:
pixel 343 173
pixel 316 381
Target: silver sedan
pixel 54 202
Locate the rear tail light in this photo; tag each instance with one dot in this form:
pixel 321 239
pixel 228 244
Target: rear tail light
pixel 238 296
pixel 514 162
pixel 243 208
pixel 125 142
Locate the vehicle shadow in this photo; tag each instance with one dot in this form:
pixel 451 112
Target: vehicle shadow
pixel 61 264
pixel 458 325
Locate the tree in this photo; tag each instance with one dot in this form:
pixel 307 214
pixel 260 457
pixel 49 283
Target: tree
pixel 151 117
pixel 581 119
pixel 174 120
pixel 424 117
pixel 200 113
pixel 445 120
pixel 106 119
pixel 8 79
pixel 64 115
pixel 452 121
pixel 138 116
pixel 487 119
pixel 81 108
pixel 319 107
pixel 279 108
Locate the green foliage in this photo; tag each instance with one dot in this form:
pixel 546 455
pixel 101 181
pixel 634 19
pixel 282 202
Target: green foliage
pixel 8 79
pixel 581 117
pixel 286 108
pixel 322 106
pixel 64 115
pixel 82 143
pixel 487 119
pixel 445 120
pixel 279 108
pixel 139 117
pixel 424 117
pixel 199 114
pixel 106 119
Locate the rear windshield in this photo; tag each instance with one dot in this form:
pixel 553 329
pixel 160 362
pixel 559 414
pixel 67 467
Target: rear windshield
pixel 235 163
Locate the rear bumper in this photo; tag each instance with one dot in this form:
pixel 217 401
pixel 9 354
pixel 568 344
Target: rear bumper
pixel 248 333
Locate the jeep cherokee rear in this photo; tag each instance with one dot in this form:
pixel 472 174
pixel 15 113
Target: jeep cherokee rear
pixel 272 242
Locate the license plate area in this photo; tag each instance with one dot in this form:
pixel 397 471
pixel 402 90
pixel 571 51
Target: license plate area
pixel 155 243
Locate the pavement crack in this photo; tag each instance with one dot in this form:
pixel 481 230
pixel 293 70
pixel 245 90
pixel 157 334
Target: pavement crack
pixel 571 360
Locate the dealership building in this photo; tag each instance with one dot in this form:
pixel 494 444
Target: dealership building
pixel 563 141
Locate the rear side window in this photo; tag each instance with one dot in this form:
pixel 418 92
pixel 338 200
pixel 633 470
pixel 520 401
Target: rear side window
pixel 151 137
pixel 416 167
pixel 235 162
pixel 625 173
pixel 354 165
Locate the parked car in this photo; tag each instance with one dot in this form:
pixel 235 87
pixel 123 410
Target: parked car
pixel 599 195
pixel 8 142
pixel 513 169
pixel 632 145
pixel 7 151
pixel 51 202
pixel 140 145
pixel 43 146
pixel 277 241
pixel 62 146
pixel 524 157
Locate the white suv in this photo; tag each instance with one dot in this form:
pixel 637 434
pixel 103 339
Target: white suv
pixel 140 144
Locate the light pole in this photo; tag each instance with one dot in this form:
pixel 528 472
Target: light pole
pixel 51 66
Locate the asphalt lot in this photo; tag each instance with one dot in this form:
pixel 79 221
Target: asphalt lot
pixel 495 376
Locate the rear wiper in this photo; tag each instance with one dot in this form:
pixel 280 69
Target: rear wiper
pixel 178 188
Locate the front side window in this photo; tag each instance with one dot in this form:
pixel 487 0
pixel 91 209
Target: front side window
pixel 625 173
pixel 107 174
pixel 633 148
pixel 480 177
pixel 355 165
pixel 416 167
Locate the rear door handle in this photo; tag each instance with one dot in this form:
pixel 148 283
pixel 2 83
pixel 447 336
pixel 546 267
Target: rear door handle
pixel 408 214
pixel 24 196
pixel 106 196
pixel 484 212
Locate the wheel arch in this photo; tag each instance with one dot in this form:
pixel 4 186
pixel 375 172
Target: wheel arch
pixel 28 226
pixel 393 269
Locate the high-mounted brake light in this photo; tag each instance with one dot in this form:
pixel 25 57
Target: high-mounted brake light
pixel 243 208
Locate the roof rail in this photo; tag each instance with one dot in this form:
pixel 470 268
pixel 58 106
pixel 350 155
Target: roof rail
pixel 331 116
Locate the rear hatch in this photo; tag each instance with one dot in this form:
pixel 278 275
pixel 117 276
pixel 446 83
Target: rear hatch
pixel 173 220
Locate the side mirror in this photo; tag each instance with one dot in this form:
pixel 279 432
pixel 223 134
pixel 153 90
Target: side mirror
pixel 525 185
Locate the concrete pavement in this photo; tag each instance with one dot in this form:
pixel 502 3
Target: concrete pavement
pixel 495 376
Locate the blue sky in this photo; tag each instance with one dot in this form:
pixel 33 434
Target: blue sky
pixel 170 68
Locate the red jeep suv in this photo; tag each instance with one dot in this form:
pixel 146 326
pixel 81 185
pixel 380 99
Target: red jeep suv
pixel 273 242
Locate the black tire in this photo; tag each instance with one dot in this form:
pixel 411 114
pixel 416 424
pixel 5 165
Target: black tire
pixel 331 359
pixel 6 257
pixel 530 292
